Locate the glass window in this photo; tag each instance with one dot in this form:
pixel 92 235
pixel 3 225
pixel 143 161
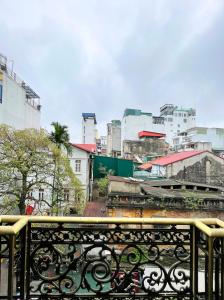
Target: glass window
pixel 185 120
pixel 78 165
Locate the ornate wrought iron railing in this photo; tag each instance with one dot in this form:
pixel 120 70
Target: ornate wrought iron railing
pixel 111 258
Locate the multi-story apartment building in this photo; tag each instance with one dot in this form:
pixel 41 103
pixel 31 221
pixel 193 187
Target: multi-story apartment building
pixel 176 120
pixel 172 120
pixel 19 104
pixel 211 138
pixel 89 131
pixel 114 138
pixel 135 120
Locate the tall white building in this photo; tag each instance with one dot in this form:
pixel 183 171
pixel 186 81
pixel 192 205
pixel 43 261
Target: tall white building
pixel 89 131
pixel 176 120
pixel 19 104
pixel 172 120
pixel 114 138
pixel 134 121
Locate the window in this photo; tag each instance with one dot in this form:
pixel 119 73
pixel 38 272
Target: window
pixel 170 119
pixel 185 120
pixel 41 194
pixel 178 125
pixel 66 195
pixel 78 165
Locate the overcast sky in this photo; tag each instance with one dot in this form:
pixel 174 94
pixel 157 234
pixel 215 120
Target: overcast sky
pixel 103 56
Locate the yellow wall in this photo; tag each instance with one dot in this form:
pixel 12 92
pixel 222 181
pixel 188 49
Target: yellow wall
pixel 150 213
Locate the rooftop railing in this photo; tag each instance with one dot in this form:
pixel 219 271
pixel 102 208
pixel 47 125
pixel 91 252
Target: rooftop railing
pixel 111 258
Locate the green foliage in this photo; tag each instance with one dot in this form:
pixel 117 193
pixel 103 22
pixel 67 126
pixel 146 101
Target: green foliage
pixel 29 161
pixel 60 136
pixel 103 185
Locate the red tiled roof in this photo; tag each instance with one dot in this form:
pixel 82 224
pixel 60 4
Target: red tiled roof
pixel 86 147
pixel 150 134
pixel 172 158
pixel 95 209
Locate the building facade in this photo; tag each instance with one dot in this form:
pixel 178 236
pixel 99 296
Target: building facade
pixel 196 166
pixel 134 121
pixel 114 138
pixel 176 120
pixel 89 131
pixel 130 198
pixel 149 145
pixel 81 163
pixel 212 138
pixel 19 104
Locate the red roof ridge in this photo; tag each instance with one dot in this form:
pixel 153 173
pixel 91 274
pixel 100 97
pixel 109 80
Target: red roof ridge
pixel 91 148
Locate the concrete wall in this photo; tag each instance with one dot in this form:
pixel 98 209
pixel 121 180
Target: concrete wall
pixel 144 148
pixel 164 213
pixel 113 138
pixel 88 131
pixel 204 168
pixel 213 135
pixel 16 110
pixel 131 125
pixel 124 187
pixel 178 122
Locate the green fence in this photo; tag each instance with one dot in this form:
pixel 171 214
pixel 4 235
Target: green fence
pixel 104 165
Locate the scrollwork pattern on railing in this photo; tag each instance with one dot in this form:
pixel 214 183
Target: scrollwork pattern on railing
pixel 151 262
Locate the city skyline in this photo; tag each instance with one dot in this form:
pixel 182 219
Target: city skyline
pixel 103 57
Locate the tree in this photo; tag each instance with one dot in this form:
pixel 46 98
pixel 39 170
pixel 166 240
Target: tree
pixel 60 136
pixel 27 163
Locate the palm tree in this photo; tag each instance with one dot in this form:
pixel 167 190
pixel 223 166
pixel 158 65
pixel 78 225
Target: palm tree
pixel 60 136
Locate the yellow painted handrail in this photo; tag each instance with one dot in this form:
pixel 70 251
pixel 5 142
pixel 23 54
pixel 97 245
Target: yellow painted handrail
pixel 18 222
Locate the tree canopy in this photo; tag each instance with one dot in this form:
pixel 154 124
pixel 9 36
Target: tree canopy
pixel 27 163
pixel 60 136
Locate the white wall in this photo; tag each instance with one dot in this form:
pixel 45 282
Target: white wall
pixel 212 135
pixel 178 122
pixel 200 136
pixel 14 109
pixel 83 175
pixel 131 125
pixel 113 138
pixel 88 131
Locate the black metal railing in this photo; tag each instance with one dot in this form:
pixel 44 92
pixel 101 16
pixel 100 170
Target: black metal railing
pixel 111 258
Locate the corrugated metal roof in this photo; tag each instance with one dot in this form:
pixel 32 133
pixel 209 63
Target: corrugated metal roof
pixel 91 148
pixel 172 158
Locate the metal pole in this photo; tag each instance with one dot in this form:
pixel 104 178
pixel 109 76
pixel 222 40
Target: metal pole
pixel 11 266
pixel 210 268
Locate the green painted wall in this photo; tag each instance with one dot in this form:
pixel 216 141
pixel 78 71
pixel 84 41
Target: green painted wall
pixel 103 165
